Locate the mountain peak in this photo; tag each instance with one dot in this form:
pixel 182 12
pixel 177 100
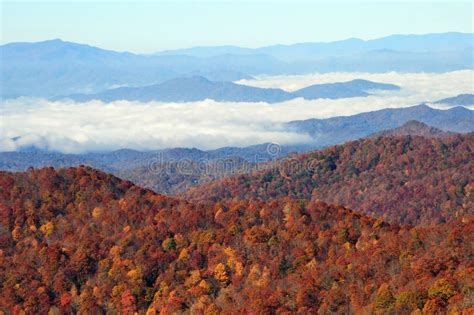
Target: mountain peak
pixel 415 128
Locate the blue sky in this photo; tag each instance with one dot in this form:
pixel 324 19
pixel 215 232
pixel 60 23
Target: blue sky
pixel 148 26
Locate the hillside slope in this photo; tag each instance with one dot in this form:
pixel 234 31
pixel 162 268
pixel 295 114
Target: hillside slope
pixel 344 128
pixel 431 178
pixel 81 241
pixel 158 169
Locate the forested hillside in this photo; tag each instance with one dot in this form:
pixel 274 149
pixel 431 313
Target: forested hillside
pixel 402 179
pixel 79 240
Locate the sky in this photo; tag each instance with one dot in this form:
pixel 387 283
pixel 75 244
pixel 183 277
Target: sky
pixel 150 26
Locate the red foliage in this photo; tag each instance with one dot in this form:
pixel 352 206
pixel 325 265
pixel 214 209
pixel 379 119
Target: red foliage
pixel 404 180
pixel 86 242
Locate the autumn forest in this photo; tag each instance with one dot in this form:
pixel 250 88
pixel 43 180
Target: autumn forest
pixel 382 225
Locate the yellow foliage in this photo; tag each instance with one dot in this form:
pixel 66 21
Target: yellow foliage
pixel 115 250
pixel 410 300
pixel 163 290
pixel 73 291
pixel 232 261
pixel 184 254
pixel 47 228
pixel 384 297
pixel 220 273
pixel 254 274
pixel 347 245
pixel 111 272
pixel 135 275
pixel 193 279
pixel 151 311
pixel 211 310
pixel 118 290
pixel 264 278
pixel 229 252
pixel 54 311
pixel 206 286
pixel 97 212
pixel 312 264
pixel 203 237
pixel 442 289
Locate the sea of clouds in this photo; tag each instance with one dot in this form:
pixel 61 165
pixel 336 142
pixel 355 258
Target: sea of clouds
pixel 72 127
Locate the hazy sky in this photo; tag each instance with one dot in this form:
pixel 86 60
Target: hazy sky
pixel 147 26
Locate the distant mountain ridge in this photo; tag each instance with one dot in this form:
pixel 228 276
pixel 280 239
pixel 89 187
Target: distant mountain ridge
pixel 190 89
pixel 197 88
pixel 459 100
pixel 441 42
pixel 373 175
pixel 174 170
pixel 354 88
pixel 55 67
pixel 340 129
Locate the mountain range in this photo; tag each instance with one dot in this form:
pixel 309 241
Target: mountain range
pixel 55 67
pixel 459 100
pixel 78 240
pixel 426 43
pixel 370 174
pixel 198 88
pixel 339 129
pixel 172 171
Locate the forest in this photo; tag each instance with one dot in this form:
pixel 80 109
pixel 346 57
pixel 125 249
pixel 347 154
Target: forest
pixel 401 179
pixel 381 225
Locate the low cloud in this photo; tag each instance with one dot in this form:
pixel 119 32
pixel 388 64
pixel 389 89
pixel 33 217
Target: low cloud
pixel 436 85
pixel 97 126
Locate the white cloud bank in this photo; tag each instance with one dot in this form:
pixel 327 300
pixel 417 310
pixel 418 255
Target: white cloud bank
pixel 96 126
